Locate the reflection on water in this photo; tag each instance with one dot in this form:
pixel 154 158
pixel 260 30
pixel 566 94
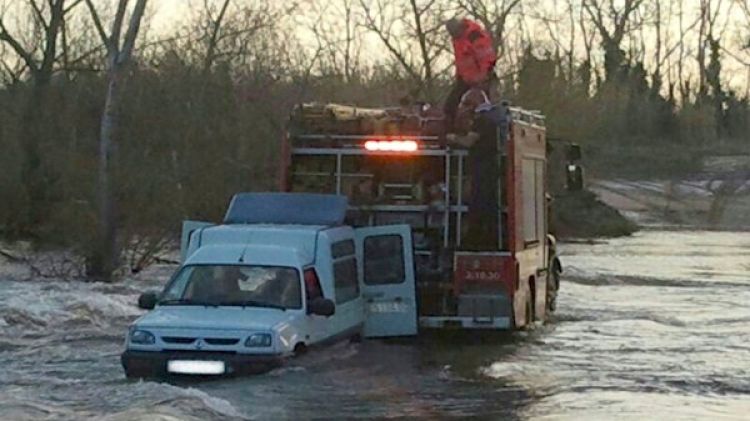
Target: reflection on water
pixel 656 326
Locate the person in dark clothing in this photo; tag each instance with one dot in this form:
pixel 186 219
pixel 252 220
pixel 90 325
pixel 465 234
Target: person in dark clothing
pixel 489 124
pixel 483 203
pixel 474 58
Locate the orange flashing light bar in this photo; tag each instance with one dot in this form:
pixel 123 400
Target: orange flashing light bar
pixel 391 146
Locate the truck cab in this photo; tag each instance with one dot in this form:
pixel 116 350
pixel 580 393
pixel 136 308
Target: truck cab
pixel 280 276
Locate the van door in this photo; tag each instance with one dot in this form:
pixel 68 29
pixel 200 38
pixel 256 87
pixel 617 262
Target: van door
pixel 386 266
pixel 188 227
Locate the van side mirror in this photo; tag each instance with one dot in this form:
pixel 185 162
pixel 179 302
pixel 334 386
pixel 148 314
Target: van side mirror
pixel 147 301
pixel 321 307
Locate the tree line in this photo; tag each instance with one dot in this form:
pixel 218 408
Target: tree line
pixel 112 131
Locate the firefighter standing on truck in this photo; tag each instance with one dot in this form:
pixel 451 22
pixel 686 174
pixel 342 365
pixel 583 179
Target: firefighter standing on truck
pixel 474 60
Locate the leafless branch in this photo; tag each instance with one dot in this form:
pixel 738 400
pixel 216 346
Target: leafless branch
pixel 39 14
pixel 14 44
pixel 216 28
pixel 382 30
pixel 132 33
pixel 98 23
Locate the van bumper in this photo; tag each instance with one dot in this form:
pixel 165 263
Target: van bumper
pixel 154 363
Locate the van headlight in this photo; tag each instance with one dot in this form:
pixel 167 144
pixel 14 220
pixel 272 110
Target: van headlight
pixel 258 340
pixel 142 337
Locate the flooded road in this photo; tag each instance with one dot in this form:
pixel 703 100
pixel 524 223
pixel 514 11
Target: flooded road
pixel 656 326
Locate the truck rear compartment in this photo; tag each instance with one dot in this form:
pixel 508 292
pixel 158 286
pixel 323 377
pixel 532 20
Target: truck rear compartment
pixel 428 188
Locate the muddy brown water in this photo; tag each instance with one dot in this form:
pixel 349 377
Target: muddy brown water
pixel 655 326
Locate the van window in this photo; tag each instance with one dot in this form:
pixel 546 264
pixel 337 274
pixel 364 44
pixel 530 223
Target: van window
pixel 342 248
pixel 312 285
pixel 384 260
pixel 345 280
pixel 235 285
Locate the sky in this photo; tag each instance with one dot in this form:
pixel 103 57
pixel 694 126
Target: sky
pixel 167 12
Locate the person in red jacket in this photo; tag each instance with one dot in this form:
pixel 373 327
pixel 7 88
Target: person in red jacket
pixel 475 59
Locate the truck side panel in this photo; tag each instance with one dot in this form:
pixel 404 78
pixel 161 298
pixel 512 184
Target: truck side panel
pixel 529 213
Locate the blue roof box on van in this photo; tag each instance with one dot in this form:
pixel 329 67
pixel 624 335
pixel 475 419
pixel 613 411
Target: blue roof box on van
pixel 287 208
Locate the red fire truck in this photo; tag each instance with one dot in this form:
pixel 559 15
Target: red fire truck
pixel 483 256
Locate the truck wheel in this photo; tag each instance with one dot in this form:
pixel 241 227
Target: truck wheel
pixel 529 313
pixel 553 284
pixel 531 302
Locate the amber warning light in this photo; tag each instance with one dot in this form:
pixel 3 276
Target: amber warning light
pixel 391 145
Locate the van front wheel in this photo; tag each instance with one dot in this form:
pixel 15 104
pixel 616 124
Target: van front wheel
pixel 300 349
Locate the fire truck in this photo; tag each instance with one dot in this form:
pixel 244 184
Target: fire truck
pixel 483 256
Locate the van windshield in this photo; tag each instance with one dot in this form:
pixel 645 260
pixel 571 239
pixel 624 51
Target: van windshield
pixel 235 285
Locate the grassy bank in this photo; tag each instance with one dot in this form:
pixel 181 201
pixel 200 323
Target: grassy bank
pixel 583 215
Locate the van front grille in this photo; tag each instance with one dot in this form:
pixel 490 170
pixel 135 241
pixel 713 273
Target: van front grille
pixel 177 353
pixel 222 341
pixel 188 340
pixel 177 340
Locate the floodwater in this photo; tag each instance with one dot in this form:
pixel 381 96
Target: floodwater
pixel 655 326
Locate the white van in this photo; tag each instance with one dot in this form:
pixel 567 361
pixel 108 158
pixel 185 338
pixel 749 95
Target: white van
pixel 280 276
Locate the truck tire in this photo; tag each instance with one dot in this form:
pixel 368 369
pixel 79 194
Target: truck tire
pixel 553 284
pixel 529 314
pixel 531 303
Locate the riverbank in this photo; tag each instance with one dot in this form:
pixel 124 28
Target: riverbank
pixel 581 215
pixel 613 208
pixel 682 204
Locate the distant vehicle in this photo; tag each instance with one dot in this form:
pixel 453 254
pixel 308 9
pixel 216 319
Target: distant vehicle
pixel 280 276
pixel 485 259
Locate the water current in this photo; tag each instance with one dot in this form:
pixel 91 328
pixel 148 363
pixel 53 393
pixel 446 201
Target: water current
pixel 654 326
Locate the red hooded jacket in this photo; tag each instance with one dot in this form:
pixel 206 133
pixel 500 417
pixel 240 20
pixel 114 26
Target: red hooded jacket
pixel 475 54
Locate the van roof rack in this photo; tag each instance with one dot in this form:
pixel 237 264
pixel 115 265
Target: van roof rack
pixel 287 208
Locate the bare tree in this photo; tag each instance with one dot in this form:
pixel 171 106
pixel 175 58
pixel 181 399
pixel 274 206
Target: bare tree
pixel 224 31
pixel 337 29
pixel 36 50
pixel 40 57
pixel 412 34
pixel 588 42
pixel 11 68
pixel 656 76
pixel 710 35
pixel 744 41
pixel 214 30
pixel 104 259
pixel 613 24
pixel 562 27
pixel 666 46
pixel 350 50
pixel 704 29
pixel 493 15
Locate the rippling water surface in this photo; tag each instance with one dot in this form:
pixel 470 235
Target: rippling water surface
pixel 656 326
